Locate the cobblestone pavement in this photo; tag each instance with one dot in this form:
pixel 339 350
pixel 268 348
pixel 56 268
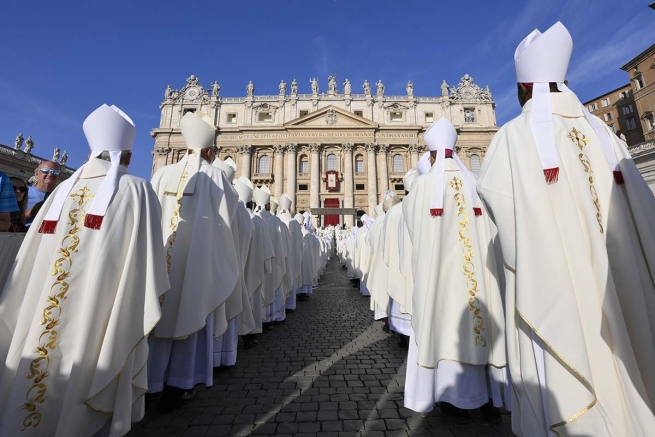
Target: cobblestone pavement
pixel 329 371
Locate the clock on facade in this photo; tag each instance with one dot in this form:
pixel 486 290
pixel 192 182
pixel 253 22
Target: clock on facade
pixel 468 93
pixel 192 93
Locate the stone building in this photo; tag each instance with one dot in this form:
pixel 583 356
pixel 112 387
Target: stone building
pixel 619 111
pixel 22 163
pixel 334 149
pixel 641 71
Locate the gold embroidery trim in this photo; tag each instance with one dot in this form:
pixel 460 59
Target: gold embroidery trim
pixel 581 141
pixel 175 220
pixel 469 269
pixel 52 313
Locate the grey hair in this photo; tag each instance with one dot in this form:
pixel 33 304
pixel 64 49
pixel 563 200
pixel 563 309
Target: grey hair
pixel 125 154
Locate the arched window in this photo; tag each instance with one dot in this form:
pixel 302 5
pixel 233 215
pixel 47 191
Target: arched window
pixel 264 164
pixel 398 164
pixel 332 162
pixel 359 164
pixel 475 164
pixel 304 165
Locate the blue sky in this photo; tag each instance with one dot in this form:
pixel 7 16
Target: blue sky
pixel 61 60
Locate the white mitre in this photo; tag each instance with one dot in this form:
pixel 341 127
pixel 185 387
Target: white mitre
pixel 285 203
pixel 541 59
pixel 106 129
pixel 261 197
pixel 441 138
pixel 199 133
pixel 390 199
pixel 423 166
pixel 274 205
pixel 244 189
pixel 300 219
pixel 410 178
pixel 379 211
pixel 307 220
pixel 229 171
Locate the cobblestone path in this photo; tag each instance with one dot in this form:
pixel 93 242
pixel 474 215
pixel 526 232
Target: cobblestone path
pixel 329 371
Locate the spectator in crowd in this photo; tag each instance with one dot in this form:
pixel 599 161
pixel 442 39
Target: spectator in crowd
pixel 8 203
pixel 18 217
pixel 47 176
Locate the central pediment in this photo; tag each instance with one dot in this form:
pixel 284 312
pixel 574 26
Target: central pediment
pixel 330 117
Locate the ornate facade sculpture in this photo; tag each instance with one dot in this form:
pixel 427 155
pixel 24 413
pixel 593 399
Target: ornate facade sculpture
pixel 244 150
pixel 55 155
pixel 250 89
pixel 370 147
pixel 278 149
pixel 347 147
pixel 467 90
pixel 315 147
pixel 331 117
pixel 410 89
pixel 314 82
pixel 64 158
pixel 18 142
pixel 367 88
pixel 294 87
pixel 282 87
pixel 444 89
pixel 29 144
pixel 380 87
pixel 332 85
pixel 346 87
pixel 216 89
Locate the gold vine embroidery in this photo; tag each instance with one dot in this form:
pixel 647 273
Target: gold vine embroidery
pixel 469 269
pixel 581 141
pixel 52 313
pixel 175 219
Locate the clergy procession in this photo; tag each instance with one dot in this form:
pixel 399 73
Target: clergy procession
pixel 527 290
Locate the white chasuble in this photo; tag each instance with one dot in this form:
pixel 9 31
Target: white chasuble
pixel 378 275
pixel 579 259
pixel 295 257
pixel 258 265
pixel 75 313
pixel 457 312
pixel 308 268
pixel 273 281
pixel 200 250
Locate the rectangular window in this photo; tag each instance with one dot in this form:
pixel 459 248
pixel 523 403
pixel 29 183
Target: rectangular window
pixel 650 121
pixel 399 187
pixel 613 127
pixel 429 117
pixel 303 187
pixel 627 109
pixel 396 116
pixel 303 113
pixel 231 118
pixel 630 122
pixel 605 102
pixel 469 115
pixel 639 82
pixel 593 107
pixel 359 166
pixel 304 167
pixel 359 113
pixel 188 110
pixel 265 116
pixel 608 116
pixel 360 187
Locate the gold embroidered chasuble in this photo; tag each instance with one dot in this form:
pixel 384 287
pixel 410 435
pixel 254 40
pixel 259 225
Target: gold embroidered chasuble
pixel 579 259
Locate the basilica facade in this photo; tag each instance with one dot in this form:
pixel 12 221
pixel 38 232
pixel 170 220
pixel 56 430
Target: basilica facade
pixel 332 149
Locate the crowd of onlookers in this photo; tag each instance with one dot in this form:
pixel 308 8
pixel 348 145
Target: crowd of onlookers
pixel 18 208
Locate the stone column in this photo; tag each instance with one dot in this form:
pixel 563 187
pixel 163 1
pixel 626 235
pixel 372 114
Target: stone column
pixel 291 173
pixel 245 152
pixel 340 215
pixel 413 153
pixel 372 179
pixel 278 153
pixel 384 170
pixel 348 200
pixel 315 184
pixel 161 157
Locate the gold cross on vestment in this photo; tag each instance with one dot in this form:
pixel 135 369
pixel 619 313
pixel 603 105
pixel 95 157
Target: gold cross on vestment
pixel 456 184
pixel 578 138
pixel 82 196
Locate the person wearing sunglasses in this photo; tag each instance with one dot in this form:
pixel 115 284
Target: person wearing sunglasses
pixel 8 203
pixel 18 217
pixel 47 176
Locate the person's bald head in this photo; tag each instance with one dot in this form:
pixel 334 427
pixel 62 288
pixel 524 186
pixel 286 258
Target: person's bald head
pixel 47 176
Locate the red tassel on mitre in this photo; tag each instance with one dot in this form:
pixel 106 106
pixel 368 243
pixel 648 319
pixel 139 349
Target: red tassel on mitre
pixel 436 212
pixel 93 221
pixel 552 175
pixel 618 177
pixel 477 211
pixel 48 227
